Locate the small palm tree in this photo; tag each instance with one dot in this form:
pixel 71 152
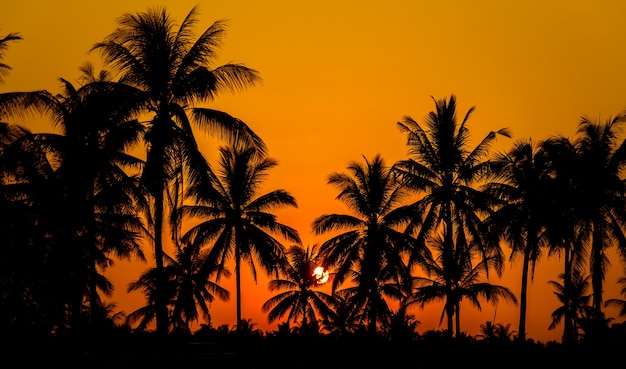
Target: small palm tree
pixel 370 251
pixel 573 296
pixel 189 289
pixel 236 219
pixel 300 300
pixel 451 283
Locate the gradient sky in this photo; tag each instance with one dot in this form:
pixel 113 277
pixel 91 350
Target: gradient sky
pixel 338 75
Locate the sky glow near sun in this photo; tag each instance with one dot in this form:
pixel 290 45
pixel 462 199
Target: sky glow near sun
pixel 338 75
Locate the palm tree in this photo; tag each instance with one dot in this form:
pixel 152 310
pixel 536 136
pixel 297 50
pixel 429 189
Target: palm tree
pixel 455 281
pixel 518 183
pixel 574 297
pixel 299 299
pixel 370 251
pixel 91 160
pixel 4 44
pixel 236 218
pixel 173 73
pixel 603 204
pixel 189 288
pixel 445 172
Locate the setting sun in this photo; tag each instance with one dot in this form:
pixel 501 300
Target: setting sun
pixel 321 275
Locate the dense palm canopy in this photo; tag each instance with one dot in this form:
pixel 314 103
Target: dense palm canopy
pixel 172 72
pixel 90 162
pixel 234 220
pixel 370 245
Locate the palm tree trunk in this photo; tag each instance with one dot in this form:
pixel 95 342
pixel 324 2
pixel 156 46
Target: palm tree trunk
pixel 597 256
pixel 238 288
pixel 523 295
pixel 568 324
pixel 457 309
pixel 161 303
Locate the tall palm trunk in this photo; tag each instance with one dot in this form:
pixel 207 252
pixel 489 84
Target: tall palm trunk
pixel 238 288
pixel 597 273
pixel 161 301
pixel 568 324
pixel 524 295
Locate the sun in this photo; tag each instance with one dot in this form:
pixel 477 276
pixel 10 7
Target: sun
pixel 321 275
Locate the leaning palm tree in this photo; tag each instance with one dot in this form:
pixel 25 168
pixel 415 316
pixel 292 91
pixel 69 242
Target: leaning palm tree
pixel 370 252
pixel 452 282
pixel 517 177
pixel 173 73
pixel 445 172
pixel 4 44
pixel 236 219
pixel 299 298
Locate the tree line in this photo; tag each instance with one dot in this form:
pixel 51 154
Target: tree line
pixel 428 228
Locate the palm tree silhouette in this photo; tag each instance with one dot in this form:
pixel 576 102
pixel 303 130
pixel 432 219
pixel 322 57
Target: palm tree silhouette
pixel 299 299
pixel 4 45
pixel 602 206
pixel 172 73
pixel 453 282
pixel 559 158
pixel 370 251
pixel 236 218
pixel 91 164
pixel 189 288
pixel 574 298
pixel 445 172
pixel 518 183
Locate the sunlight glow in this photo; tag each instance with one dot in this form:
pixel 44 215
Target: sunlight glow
pixel 321 275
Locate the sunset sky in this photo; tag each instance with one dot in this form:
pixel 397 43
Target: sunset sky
pixel 338 76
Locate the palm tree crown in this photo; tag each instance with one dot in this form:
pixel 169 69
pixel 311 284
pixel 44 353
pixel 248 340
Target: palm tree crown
pixel 236 218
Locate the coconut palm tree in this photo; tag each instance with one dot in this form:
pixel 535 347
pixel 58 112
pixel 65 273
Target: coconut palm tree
pixel 559 157
pixel 189 290
pixel 100 197
pixel 451 283
pixel 4 44
pixel 369 253
pixel 300 299
pixel 96 130
pixel 574 297
pixel 517 177
pixel 236 219
pixel 173 72
pixel 600 173
pixel 445 172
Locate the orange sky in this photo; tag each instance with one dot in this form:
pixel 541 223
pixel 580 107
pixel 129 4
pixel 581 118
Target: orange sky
pixel 338 75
